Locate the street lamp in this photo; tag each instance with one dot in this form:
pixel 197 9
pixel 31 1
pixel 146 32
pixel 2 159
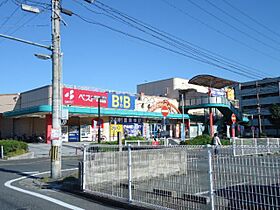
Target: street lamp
pixel 43 56
pixel 29 8
pixel 56 80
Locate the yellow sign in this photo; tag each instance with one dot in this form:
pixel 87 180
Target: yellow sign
pixel 230 94
pixel 115 129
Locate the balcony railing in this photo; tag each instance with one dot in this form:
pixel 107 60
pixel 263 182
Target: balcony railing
pixel 206 100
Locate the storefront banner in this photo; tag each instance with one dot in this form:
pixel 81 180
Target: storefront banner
pixel 85 98
pixel 132 129
pixel 115 129
pixel 121 101
pixel 217 92
pixel 146 130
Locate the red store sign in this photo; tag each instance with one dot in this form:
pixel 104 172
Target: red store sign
pixel 87 98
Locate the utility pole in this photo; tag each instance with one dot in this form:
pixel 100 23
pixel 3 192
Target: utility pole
pixel 99 123
pixel 259 108
pixel 56 92
pixel 183 137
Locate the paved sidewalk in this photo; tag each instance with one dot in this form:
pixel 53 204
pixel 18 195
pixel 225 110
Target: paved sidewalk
pixel 68 149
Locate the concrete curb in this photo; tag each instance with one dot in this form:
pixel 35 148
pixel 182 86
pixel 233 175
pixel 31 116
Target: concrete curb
pixel 28 155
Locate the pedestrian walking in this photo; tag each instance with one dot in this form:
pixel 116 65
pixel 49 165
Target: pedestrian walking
pixel 216 142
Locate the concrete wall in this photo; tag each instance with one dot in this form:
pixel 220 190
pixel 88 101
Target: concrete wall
pixel 8 102
pixel 36 97
pixel 108 166
pixel 29 126
pixel 6 128
pixel 168 88
pixel 157 88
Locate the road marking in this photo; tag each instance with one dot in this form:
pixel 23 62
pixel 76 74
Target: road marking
pixel 29 172
pixel 50 199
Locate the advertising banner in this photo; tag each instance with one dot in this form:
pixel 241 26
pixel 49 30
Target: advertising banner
pixel 217 92
pixel 87 98
pixel 132 129
pixel 121 101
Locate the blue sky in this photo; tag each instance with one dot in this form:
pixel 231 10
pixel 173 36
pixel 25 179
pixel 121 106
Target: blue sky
pixel 97 57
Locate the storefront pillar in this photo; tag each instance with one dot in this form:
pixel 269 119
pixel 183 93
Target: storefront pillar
pixel 48 128
pixel 211 122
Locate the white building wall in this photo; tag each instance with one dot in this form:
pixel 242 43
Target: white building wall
pixel 168 88
pixel 8 102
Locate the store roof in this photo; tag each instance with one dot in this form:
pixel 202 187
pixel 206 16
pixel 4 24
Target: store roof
pixel 45 109
pixel 211 81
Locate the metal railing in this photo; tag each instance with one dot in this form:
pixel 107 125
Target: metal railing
pixel 182 177
pixel 207 100
pixel 138 142
pixel 250 146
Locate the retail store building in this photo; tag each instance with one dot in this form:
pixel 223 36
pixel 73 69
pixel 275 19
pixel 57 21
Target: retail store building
pixel 29 114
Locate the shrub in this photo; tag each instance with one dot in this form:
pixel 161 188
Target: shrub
pixel 13 146
pixel 135 138
pixel 203 140
pixel 225 142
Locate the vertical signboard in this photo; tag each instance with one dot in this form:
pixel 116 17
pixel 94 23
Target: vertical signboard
pixel 121 101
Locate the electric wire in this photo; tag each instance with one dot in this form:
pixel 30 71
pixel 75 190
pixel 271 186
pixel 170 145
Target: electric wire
pixel 3 2
pixel 159 45
pixel 187 44
pixel 11 15
pixel 234 27
pixel 241 22
pixel 184 47
pixel 218 31
pixel 252 19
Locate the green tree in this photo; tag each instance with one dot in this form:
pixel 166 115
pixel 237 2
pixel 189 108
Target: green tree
pixel 275 115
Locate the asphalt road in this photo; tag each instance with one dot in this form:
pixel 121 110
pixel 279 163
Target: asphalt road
pixel 14 200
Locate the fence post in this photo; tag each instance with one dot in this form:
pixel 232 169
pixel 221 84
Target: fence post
pixel 267 145
pixel 234 146
pixel 210 173
pixel 242 146
pixel 2 152
pixel 84 167
pixel 129 175
pixel 256 145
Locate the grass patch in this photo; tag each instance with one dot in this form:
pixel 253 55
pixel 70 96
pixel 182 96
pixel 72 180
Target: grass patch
pixel 16 153
pixel 13 147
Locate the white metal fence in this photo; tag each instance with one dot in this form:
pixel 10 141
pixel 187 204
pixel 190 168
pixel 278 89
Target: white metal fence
pixel 182 177
pixel 250 146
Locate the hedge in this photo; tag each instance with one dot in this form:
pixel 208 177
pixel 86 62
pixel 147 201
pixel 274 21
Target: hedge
pixel 203 140
pixel 12 146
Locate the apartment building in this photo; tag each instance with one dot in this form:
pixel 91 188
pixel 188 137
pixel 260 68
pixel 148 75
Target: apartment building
pixel 256 97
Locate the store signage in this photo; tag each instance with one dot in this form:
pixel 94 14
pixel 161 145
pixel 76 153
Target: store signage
pixel 87 98
pixel 164 111
pixel 55 134
pixel 121 101
pixel 216 92
pixel 233 118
